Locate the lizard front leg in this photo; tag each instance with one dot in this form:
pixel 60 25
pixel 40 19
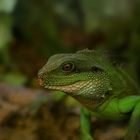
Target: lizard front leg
pixel 85 125
pixel 133 132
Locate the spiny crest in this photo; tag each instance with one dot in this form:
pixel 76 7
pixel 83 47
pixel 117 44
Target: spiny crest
pixel 104 55
pixel 86 51
pixel 100 53
pixel 96 53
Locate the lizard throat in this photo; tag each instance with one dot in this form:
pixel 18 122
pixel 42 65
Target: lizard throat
pixel 73 88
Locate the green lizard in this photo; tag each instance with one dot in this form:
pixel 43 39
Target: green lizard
pixel 101 87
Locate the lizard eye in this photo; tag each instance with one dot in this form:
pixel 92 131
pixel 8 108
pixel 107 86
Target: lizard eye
pixel 68 67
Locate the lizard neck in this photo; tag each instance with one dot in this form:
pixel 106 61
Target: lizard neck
pixel 93 94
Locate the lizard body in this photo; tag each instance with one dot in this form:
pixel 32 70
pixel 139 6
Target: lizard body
pixel 97 84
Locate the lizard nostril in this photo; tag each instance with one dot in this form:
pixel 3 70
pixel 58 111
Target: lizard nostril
pixel 40 80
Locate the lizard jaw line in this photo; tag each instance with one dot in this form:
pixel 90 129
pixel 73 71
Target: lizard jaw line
pixel 69 88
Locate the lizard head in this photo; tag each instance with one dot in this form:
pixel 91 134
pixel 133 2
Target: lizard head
pixel 81 75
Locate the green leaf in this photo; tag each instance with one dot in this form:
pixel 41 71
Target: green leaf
pixel 7 5
pixel 16 79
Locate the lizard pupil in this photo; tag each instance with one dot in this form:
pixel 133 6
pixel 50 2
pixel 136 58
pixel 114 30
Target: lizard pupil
pixel 68 67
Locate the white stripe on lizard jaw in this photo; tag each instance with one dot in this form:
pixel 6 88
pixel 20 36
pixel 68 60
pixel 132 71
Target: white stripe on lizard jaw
pixel 71 88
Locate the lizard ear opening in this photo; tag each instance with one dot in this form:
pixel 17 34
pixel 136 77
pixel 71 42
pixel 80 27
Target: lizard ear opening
pixel 96 69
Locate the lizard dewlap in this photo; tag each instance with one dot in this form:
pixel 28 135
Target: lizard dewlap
pixel 101 87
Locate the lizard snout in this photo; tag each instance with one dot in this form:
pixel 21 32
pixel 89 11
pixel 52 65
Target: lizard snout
pixel 40 79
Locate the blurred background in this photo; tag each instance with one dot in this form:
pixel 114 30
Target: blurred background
pixel 32 30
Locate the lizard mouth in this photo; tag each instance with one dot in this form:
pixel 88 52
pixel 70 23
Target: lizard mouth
pixel 70 88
